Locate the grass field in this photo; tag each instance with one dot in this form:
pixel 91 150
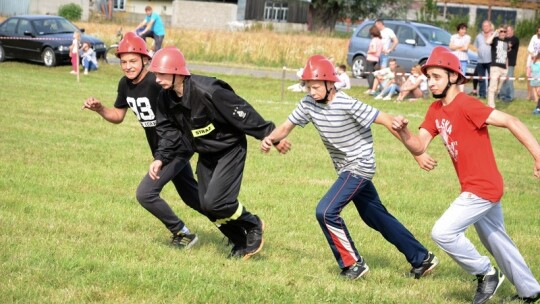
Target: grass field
pixel 73 232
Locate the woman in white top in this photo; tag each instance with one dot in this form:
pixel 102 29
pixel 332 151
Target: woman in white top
pixel 459 43
pixel 415 85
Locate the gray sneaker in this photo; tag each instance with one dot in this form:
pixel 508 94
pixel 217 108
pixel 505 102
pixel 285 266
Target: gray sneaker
pixel 184 240
pixel 427 266
pixel 487 286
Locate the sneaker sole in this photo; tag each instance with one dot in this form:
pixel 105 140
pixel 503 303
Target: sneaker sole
pixel 247 256
pixel 428 271
pixel 501 280
pixel 193 242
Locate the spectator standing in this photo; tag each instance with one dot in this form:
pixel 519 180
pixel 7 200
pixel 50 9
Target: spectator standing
pixel 499 62
pixel 74 52
pixel 507 90
pixel 484 57
pixel 533 49
pixel 373 55
pixel 152 26
pixel 389 41
pixel 459 43
pixel 345 82
pixel 462 123
pixel 89 60
pixel 336 117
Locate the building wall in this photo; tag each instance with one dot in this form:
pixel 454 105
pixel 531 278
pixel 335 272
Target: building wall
pixel 203 15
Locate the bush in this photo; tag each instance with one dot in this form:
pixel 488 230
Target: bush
pixel 71 11
pixel 525 29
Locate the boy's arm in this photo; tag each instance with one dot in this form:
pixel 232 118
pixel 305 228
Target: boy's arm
pixel 520 131
pixel 113 115
pixel 277 135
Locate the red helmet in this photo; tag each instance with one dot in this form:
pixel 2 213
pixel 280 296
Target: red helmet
pixel 320 68
pixel 131 43
pixel 169 60
pixel 441 57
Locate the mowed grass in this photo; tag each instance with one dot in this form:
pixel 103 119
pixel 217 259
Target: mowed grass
pixel 73 232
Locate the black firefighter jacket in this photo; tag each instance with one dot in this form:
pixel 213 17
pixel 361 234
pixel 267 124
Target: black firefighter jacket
pixel 210 115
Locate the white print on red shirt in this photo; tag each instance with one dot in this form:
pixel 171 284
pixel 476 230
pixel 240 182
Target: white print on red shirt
pixel 445 129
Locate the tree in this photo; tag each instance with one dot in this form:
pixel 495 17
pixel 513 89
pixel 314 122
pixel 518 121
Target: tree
pixel 323 14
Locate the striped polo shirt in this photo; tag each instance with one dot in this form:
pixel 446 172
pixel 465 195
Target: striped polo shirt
pixel 345 129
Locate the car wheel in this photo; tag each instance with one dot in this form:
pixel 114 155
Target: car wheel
pixel 358 67
pixel 2 54
pixel 48 57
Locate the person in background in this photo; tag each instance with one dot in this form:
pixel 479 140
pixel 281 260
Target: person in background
pixel 152 26
pixel 415 86
pixel 74 52
pixel 344 124
pixel 535 81
pixel 389 41
pixel 459 43
pixel 533 49
pixel 506 93
pixel 373 56
pixel 484 56
pixel 345 82
pixel 392 85
pixel 89 60
pixel 138 90
pixel 499 62
pixel 462 122
pixel 384 77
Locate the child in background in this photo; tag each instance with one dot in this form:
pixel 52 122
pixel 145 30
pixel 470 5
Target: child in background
pixel 89 59
pixel 345 82
pixel 74 52
pixel 535 81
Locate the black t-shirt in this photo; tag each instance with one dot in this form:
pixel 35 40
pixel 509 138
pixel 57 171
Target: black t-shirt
pixel 513 44
pixel 141 98
pixel 499 52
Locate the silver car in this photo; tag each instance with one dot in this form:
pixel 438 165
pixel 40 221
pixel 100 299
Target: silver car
pixel 416 41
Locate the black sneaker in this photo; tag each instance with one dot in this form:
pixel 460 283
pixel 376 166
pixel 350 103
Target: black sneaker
pixel 355 271
pixel 427 266
pixel 487 286
pixel 255 240
pixel 533 299
pixel 237 252
pixel 184 240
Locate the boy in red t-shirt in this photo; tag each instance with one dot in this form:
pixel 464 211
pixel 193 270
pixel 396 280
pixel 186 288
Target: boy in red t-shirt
pixel 462 122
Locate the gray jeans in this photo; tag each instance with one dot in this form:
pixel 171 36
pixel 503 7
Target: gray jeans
pixel 148 193
pixel 487 218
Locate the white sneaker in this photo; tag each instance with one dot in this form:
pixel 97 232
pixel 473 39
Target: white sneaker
pixel 387 97
pixel 73 72
pixel 85 71
pixel 378 96
pixel 368 92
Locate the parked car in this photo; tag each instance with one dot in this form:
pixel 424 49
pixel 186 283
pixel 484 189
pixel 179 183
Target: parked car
pixel 416 41
pixel 41 38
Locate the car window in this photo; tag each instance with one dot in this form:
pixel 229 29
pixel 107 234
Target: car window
pixel 364 32
pixel 435 35
pixel 9 26
pixel 24 26
pixel 405 32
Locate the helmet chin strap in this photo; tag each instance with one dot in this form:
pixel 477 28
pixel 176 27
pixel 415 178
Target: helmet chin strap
pixel 325 99
pixel 173 81
pixel 448 84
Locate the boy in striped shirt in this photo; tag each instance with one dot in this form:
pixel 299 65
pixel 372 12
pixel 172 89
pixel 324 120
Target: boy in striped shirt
pixel 344 125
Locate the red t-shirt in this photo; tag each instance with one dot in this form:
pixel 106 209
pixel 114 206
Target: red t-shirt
pixel 463 130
